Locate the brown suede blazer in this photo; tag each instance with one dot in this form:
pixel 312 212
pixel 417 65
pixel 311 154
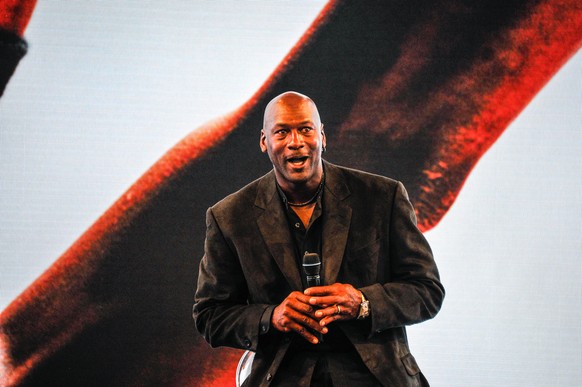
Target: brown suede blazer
pixel 370 240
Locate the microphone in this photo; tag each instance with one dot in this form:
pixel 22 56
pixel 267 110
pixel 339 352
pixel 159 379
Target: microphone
pixel 311 268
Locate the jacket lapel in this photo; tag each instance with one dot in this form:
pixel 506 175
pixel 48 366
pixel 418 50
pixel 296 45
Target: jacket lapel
pixel 274 228
pixel 336 223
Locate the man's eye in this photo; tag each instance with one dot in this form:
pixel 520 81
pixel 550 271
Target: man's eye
pixel 306 129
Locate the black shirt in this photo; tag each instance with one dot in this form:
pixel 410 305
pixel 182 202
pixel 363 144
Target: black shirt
pixel 309 239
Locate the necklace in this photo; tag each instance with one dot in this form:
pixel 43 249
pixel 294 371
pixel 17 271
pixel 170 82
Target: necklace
pixel 313 198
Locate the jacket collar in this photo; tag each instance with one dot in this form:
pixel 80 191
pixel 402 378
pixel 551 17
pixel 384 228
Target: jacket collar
pixel 273 226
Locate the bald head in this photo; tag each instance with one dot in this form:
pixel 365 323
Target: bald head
pixel 293 138
pixel 286 100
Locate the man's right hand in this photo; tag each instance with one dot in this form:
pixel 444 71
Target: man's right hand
pixel 295 314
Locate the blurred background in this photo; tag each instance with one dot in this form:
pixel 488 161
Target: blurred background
pixel 107 88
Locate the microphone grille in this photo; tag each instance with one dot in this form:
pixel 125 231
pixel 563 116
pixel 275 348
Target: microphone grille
pixel 311 263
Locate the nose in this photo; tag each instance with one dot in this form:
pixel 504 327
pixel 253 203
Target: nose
pixel 295 140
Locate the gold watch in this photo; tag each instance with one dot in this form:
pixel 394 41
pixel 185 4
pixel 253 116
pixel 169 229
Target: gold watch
pixel 364 308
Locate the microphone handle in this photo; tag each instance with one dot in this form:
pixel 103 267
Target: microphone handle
pixel 313 280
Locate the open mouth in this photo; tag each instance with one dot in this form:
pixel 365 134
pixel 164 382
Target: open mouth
pixel 297 160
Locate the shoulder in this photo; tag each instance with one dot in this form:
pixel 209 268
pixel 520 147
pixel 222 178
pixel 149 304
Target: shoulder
pixel 243 200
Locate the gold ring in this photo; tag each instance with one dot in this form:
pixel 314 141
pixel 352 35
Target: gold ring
pixel 339 310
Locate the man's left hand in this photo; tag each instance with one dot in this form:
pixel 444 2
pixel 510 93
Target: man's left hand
pixel 336 302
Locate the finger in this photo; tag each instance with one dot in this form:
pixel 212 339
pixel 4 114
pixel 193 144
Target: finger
pixel 298 302
pixel 296 295
pixel 326 301
pixel 306 329
pixel 329 311
pixel 305 333
pixel 302 308
pixel 300 298
pixel 307 319
pixel 332 314
pixel 306 322
pixel 289 320
pixel 329 319
pixel 320 290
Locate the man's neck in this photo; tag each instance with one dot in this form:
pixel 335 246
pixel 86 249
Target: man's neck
pixel 301 193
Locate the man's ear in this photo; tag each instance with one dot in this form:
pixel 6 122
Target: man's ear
pixel 323 140
pixel 263 142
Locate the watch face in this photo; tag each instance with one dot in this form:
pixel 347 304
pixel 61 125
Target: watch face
pixel 364 309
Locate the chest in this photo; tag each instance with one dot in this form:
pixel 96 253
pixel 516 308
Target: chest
pixel 304 213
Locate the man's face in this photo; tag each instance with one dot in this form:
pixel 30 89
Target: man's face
pixel 293 138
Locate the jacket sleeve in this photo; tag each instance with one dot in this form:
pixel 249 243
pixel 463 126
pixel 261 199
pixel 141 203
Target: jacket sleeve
pixel 221 311
pixel 413 292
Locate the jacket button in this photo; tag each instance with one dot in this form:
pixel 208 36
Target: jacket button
pixel 247 343
pixel 269 377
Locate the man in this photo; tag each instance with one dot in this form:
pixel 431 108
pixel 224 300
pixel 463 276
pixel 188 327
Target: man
pixel 377 270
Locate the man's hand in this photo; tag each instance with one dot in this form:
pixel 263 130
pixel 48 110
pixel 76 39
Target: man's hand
pixel 334 302
pixel 296 314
